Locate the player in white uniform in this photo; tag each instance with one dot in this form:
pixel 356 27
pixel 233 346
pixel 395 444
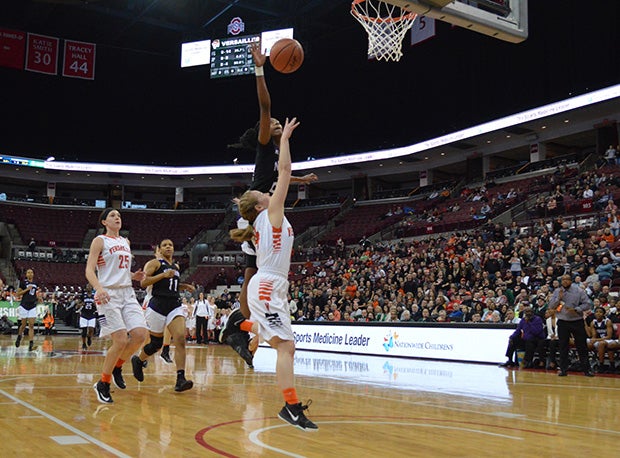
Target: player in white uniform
pixel 108 270
pixel 273 237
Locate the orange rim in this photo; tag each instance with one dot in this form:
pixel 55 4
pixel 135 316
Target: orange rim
pixel 379 20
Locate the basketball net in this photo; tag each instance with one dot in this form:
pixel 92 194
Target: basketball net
pixel 386 25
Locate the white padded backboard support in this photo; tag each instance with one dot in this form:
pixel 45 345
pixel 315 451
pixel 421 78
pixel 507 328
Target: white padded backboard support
pixel 476 15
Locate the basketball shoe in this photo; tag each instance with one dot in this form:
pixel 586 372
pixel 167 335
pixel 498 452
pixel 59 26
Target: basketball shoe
pixel 294 414
pixel 103 392
pixel 183 384
pixel 232 325
pixel 239 343
pixel 117 376
pixel 137 365
pixel 165 355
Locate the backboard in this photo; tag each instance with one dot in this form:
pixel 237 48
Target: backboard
pixel 502 19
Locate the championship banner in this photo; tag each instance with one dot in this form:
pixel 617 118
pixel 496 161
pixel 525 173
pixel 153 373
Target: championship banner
pixel 42 54
pixel 79 60
pixel 10 310
pixel 12 48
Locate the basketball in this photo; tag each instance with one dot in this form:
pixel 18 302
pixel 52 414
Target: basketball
pixel 286 55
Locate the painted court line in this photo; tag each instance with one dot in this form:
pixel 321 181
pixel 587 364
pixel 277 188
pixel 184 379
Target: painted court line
pixel 74 430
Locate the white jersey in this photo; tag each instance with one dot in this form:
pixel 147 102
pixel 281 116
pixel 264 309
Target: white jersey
pixel 114 262
pixel 273 245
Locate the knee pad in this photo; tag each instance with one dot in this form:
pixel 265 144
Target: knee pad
pixel 154 345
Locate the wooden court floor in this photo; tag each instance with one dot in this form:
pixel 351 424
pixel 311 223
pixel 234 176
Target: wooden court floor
pixel 364 406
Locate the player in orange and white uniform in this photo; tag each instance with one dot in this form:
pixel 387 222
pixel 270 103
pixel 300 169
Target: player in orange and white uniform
pixel 273 238
pixel 120 316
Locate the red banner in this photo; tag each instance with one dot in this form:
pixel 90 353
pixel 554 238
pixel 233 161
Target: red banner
pixel 42 54
pixel 586 205
pixel 79 61
pixel 12 48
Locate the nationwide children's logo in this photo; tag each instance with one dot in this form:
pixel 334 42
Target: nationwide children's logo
pixel 389 339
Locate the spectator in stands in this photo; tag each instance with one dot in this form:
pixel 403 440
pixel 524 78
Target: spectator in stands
pixel 528 335
pixel 48 322
pixel 510 317
pixel 32 245
pixel 614 223
pixel 5 325
pixel 570 303
pixel 221 277
pixel 604 270
pixel 610 155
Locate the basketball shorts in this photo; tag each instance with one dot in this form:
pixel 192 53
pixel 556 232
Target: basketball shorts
pixel 87 323
pixel 267 298
pixel 122 312
pixel 23 313
pixel 156 322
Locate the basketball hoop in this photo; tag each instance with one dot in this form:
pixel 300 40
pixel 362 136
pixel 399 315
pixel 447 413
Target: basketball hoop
pixel 386 25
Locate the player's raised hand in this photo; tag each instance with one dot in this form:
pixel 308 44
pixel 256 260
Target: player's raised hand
pixel 257 55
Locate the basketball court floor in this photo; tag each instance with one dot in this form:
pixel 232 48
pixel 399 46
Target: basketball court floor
pixel 368 406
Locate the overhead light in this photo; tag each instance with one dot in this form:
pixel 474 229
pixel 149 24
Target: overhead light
pixel 50 159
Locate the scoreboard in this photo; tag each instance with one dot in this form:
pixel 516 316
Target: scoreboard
pixel 232 57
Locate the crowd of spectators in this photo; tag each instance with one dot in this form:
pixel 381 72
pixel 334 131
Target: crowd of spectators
pixel 460 277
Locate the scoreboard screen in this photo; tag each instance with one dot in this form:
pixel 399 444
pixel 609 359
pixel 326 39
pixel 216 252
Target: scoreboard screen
pixel 232 57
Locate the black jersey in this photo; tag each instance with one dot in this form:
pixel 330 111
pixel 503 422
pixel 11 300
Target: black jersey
pixel 165 294
pixel 265 174
pixel 29 298
pixel 600 328
pixel 89 309
pixel 168 287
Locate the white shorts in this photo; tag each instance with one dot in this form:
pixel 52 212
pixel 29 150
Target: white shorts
pixel 84 323
pixel 598 342
pixel 190 323
pixel 122 312
pixel 275 320
pixel 156 322
pixel 23 314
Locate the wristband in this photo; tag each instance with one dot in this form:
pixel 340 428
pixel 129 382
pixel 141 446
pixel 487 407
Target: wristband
pixel 259 71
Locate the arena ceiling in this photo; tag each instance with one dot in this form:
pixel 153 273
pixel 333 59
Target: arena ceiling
pixel 142 108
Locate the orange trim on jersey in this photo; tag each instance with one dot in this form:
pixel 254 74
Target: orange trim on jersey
pixel 277 238
pixel 100 261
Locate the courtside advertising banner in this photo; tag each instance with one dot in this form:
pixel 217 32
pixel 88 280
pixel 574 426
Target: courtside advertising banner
pixel 79 60
pixel 12 48
pixel 42 54
pixel 444 342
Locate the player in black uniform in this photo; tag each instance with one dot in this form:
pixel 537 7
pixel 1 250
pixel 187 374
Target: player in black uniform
pixel 27 310
pixel 164 310
pixel 88 317
pixel 264 138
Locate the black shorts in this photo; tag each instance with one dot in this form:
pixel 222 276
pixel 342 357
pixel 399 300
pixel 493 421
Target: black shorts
pixel 250 261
